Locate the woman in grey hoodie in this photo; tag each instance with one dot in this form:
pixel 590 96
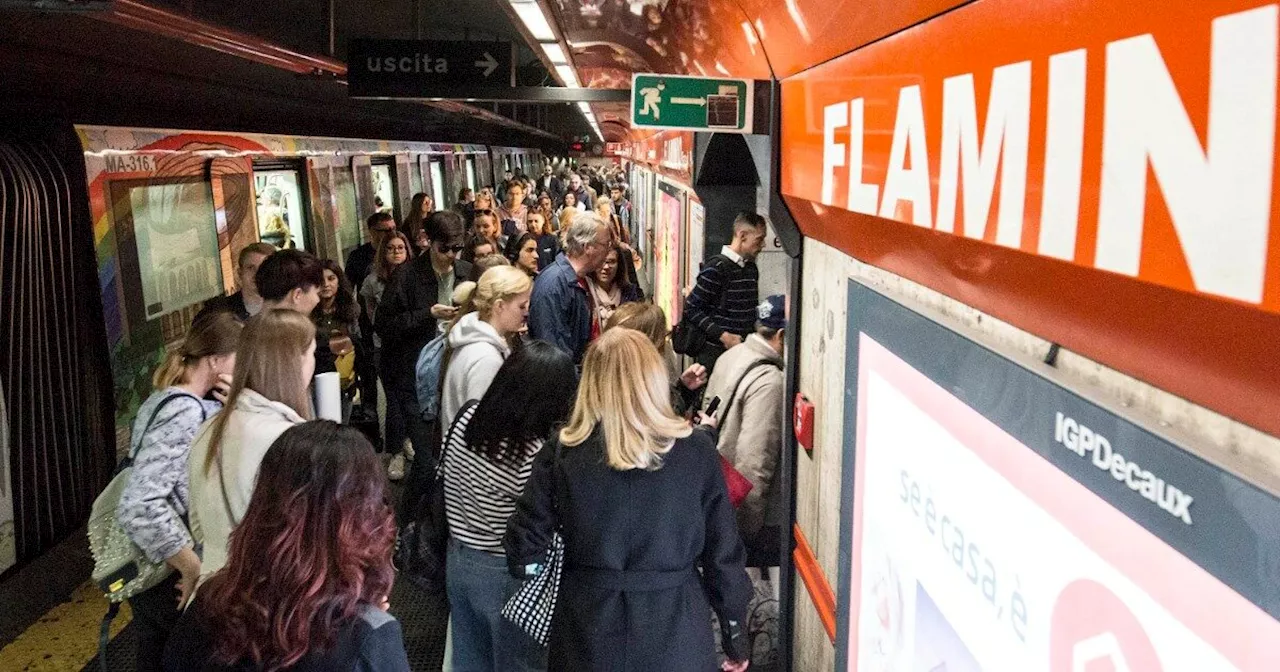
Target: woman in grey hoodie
pixel 478 341
pixel 153 507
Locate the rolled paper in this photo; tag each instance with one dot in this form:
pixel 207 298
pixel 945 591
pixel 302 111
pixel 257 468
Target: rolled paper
pixel 328 392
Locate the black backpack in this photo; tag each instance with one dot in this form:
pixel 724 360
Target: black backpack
pixel 687 338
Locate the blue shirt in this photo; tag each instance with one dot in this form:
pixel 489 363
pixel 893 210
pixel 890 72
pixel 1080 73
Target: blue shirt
pixel 559 309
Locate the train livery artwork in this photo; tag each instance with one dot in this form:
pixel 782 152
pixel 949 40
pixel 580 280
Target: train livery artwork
pixel 172 208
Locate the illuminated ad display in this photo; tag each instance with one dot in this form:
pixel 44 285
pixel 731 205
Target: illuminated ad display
pixel 995 520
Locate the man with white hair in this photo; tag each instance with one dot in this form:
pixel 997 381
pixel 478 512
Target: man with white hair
pixel 560 308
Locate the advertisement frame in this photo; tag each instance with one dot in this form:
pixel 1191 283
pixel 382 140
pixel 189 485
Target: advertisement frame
pixel 1234 521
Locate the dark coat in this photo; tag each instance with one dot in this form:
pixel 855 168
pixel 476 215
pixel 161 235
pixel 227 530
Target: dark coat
pixel 631 597
pixel 404 321
pixel 233 304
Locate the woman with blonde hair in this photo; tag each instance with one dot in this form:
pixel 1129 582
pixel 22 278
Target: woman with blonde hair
pixel 478 344
pixel 650 320
pixel 269 394
pixel 155 500
pixel 631 594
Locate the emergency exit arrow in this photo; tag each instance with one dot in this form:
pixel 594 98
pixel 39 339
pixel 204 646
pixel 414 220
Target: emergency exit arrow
pixel 488 63
pixel 701 102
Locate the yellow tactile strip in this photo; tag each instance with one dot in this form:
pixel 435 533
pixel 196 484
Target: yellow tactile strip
pixel 65 638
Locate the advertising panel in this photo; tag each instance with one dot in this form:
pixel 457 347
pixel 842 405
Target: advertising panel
pixel 697 240
pixel 177 243
pixel 667 257
pixel 8 545
pixel 994 520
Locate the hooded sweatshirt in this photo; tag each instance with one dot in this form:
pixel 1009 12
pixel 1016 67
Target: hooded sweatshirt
pixel 476 353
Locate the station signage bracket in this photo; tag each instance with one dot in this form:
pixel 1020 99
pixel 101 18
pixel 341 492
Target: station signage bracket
pixel 404 68
pixel 680 102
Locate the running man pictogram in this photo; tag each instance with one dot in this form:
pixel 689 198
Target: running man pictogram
pixel 652 99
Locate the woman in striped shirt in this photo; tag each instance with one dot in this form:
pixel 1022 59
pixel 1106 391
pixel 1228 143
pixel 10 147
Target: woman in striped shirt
pixel 487 461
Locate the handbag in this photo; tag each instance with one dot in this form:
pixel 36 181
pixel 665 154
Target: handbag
pixel 423 543
pixel 686 337
pixel 534 604
pixel 739 486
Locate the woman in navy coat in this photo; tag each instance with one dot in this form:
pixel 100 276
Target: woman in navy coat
pixel 651 544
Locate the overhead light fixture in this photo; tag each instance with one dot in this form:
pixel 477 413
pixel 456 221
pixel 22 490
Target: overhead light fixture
pixel 531 15
pixel 585 107
pixel 567 75
pixel 554 53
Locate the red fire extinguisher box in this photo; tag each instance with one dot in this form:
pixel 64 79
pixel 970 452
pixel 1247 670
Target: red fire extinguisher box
pixel 803 421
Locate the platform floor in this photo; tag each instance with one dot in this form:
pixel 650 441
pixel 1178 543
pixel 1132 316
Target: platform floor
pixel 50 614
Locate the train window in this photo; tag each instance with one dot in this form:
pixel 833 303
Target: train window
pixel 173 241
pixel 281 215
pixel 437 183
pixel 471 172
pixel 350 225
pixel 384 188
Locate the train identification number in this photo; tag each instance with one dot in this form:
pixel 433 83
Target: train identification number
pixel 130 163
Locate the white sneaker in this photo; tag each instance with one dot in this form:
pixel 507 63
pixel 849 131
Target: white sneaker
pixel 407 450
pixel 395 470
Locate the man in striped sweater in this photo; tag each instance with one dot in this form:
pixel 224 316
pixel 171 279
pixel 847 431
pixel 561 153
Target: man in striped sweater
pixel 723 302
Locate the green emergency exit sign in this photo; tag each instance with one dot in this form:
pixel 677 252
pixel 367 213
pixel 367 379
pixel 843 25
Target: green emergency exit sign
pixel 691 103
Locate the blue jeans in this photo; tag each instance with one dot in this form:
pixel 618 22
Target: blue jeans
pixel 483 641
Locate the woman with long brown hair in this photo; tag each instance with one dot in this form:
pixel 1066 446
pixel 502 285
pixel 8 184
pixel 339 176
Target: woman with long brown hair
pixel 639 583
pixel 393 251
pixel 412 226
pixel 269 394
pixel 308 573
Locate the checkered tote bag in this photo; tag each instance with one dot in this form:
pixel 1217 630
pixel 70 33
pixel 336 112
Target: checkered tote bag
pixel 532 607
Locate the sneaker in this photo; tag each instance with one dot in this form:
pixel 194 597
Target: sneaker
pixel 407 450
pixel 395 470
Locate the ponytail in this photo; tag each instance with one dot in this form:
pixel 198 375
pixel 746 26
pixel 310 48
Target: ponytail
pixel 173 371
pixel 211 334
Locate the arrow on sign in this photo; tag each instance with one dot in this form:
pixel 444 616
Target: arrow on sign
pixel 488 63
pixel 689 101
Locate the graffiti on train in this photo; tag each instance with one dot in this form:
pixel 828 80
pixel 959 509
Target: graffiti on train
pixel 1140 146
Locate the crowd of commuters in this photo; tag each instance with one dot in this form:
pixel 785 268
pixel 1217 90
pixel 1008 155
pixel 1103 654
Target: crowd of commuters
pixel 561 404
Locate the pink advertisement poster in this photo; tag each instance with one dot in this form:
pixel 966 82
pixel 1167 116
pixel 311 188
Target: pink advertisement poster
pixel 667 251
pixel 972 552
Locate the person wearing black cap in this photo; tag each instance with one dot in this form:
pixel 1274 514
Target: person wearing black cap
pixel 749 382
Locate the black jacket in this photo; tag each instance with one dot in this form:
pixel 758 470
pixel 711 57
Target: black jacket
pixel 404 320
pixel 631 597
pixel 371 642
pixel 233 304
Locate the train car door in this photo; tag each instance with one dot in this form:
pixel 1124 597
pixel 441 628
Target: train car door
pixel 384 186
pixel 280 197
pixel 443 198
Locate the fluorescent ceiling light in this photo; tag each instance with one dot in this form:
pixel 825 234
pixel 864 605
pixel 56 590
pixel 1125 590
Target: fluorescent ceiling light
pixel 585 107
pixel 567 75
pixel 554 53
pixel 533 18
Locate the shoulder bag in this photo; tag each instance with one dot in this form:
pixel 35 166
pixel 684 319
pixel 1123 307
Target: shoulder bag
pixel 534 604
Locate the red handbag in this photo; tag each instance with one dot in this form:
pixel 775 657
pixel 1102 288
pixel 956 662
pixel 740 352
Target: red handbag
pixel 739 485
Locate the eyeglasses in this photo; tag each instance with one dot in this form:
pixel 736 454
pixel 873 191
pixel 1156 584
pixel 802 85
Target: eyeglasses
pixel 483 211
pixel 451 248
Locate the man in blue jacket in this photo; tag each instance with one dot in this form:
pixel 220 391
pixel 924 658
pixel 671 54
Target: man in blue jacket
pixel 560 308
